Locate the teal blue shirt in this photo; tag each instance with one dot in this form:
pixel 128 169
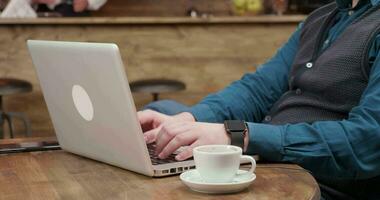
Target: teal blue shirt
pixel 348 149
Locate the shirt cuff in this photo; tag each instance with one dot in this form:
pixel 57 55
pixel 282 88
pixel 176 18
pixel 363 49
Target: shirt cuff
pixel 265 140
pixel 203 113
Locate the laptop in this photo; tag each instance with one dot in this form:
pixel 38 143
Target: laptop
pixel 91 106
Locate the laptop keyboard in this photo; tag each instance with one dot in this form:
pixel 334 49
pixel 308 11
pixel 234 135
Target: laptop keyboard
pixel 156 160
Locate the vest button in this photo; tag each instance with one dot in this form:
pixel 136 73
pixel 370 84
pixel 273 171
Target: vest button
pixel 267 118
pixel 309 65
pixel 298 91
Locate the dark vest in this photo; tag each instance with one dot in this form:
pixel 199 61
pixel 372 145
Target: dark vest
pixel 326 85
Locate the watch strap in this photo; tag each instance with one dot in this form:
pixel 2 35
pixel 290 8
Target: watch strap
pixel 237 130
pixel 237 139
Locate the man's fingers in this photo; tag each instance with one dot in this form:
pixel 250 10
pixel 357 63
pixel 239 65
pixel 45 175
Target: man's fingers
pixel 188 151
pixel 163 138
pixel 150 119
pixel 168 132
pixel 150 136
pixel 145 116
pixel 146 119
pixel 178 141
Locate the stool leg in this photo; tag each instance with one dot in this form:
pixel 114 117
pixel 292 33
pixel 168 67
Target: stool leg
pixel 155 96
pixel 1 125
pixel 1 118
pixel 27 125
pixel 24 119
pixel 10 124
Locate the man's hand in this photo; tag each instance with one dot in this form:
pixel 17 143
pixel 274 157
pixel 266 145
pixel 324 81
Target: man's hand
pixel 80 5
pixel 152 121
pixel 173 135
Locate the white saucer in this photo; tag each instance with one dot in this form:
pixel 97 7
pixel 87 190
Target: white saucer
pixel 194 181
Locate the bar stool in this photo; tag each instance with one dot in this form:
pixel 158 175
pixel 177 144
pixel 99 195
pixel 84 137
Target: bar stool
pixel 157 86
pixel 9 86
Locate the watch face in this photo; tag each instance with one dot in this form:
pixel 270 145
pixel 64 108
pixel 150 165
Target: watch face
pixel 235 125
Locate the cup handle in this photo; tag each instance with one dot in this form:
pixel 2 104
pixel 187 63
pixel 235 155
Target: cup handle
pixel 253 164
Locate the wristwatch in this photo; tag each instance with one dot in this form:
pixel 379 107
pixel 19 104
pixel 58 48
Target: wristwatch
pixel 237 130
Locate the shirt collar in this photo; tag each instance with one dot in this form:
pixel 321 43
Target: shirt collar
pixel 344 4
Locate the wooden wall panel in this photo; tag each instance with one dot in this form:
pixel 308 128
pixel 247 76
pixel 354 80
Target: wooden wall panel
pixel 164 7
pixel 205 57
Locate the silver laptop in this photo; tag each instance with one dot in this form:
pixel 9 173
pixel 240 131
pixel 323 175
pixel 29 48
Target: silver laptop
pixel 91 106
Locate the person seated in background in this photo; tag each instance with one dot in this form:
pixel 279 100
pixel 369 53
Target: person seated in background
pixel 316 103
pixel 71 7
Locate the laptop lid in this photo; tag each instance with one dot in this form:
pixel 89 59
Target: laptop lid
pixel 90 103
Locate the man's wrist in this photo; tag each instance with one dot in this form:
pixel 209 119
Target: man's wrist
pixel 246 139
pixel 185 116
pixel 228 136
pixel 237 131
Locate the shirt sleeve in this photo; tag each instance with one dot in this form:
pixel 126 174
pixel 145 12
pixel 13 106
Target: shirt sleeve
pixel 251 97
pixel 346 149
pixel 95 4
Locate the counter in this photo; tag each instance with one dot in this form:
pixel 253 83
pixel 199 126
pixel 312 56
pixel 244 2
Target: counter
pixel 265 19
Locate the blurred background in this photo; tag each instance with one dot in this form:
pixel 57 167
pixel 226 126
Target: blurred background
pixel 192 47
pixel 169 7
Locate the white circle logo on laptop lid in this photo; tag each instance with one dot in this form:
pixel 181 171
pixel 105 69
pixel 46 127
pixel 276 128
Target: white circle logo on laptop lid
pixel 82 102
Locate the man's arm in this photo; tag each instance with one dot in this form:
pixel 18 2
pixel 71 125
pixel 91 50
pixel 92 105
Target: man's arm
pixel 344 149
pixel 251 97
pixel 248 99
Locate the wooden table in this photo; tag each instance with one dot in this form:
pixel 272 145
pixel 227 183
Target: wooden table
pixel 62 175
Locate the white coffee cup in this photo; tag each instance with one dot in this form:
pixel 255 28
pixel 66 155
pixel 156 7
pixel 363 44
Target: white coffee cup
pixel 220 163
